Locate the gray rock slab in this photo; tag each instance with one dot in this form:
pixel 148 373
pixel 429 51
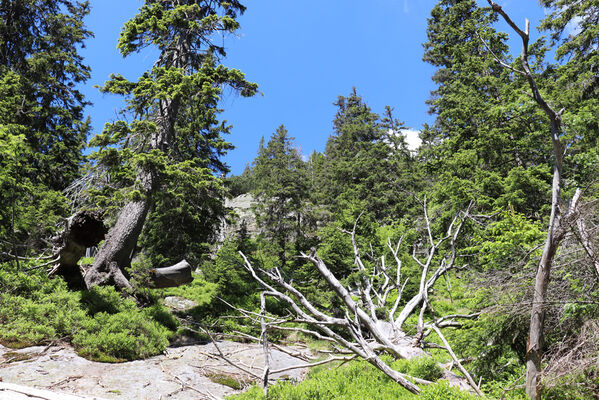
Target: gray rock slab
pixel 185 372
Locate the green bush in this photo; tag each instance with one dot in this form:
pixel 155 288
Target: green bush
pixel 101 323
pixel 356 380
pixel 121 336
pixel 424 367
pixel 35 309
pixel 442 391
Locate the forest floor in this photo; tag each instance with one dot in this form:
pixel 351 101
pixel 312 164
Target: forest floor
pixel 186 372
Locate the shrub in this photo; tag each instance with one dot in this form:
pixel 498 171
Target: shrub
pixel 101 323
pixel 35 309
pixel 424 367
pixel 121 336
pixel 357 380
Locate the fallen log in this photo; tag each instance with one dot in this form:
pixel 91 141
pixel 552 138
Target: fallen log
pixel 17 392
pixel 175 275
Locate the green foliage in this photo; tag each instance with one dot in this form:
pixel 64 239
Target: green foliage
pixel 488 142
pixel 125 335
pixel 580 386
pixel 34 309
pixel 280 187
pixel 424 367
pixel 167 148
pixel 366 159
pixel 508 241
pixel 42 126
pixel 358 380
pixel 39 71
pixel 227 273
pixel 241 184
pixel 101 323
pixel 199 290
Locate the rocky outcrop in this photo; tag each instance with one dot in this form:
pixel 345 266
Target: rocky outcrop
pixel 243 215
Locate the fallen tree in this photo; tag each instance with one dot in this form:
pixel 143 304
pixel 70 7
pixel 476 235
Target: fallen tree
pixel 362 331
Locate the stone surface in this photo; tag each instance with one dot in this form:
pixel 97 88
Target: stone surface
pixel 181 373
pixel 179 303
pixel 242 206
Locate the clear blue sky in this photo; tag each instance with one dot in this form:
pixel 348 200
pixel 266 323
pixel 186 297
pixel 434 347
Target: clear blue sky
pixel 303 54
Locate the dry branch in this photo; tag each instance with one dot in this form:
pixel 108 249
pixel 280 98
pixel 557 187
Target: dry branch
pixel 364 334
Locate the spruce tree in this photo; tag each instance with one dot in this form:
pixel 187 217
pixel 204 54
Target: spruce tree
pixel 165 154
pixel 364 161
pixel 488 139
pixel 280 186
pixel 42 126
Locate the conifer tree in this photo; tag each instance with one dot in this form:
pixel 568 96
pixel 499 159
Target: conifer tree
pixel 165 158
pixel 488 141
pixel 42 125
pixel 280 185
pixel 364 160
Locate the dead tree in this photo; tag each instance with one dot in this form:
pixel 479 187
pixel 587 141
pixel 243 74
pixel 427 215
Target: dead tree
pixel 82 230
pixel 365 334
pixel 560 218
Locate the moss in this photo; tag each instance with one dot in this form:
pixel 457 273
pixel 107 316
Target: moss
pixel 234 382
pixel 13 356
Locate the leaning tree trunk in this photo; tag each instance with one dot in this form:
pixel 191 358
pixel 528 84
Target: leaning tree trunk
pixel 86 229
pixel 119 246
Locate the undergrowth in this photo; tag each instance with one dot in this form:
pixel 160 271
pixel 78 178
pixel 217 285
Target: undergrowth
pixel 101 323
pixel 355 380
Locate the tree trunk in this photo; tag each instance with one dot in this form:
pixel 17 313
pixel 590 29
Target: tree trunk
pixel 117 250
pixel 84 229
pixel 557 222
pixel 175 275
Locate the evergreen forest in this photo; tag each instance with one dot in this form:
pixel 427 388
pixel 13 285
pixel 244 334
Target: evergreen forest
pixel 466 267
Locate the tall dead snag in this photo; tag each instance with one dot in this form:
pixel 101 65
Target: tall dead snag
pixel 362 331
pixel 559 219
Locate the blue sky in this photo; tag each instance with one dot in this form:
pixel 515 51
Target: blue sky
pixel 303 54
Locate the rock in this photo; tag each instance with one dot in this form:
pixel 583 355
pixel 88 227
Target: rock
pixel 183 373
pixel 242 207
pixel 179 303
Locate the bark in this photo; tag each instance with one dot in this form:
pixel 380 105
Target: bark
pixel 84 229
pixel 264 337
pixel 175 275
pixel 117 250
pixel 585 238
pixel 360 331
pixel 557 222
pixel 13 391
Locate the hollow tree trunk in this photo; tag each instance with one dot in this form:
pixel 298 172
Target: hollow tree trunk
pixel 84 229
